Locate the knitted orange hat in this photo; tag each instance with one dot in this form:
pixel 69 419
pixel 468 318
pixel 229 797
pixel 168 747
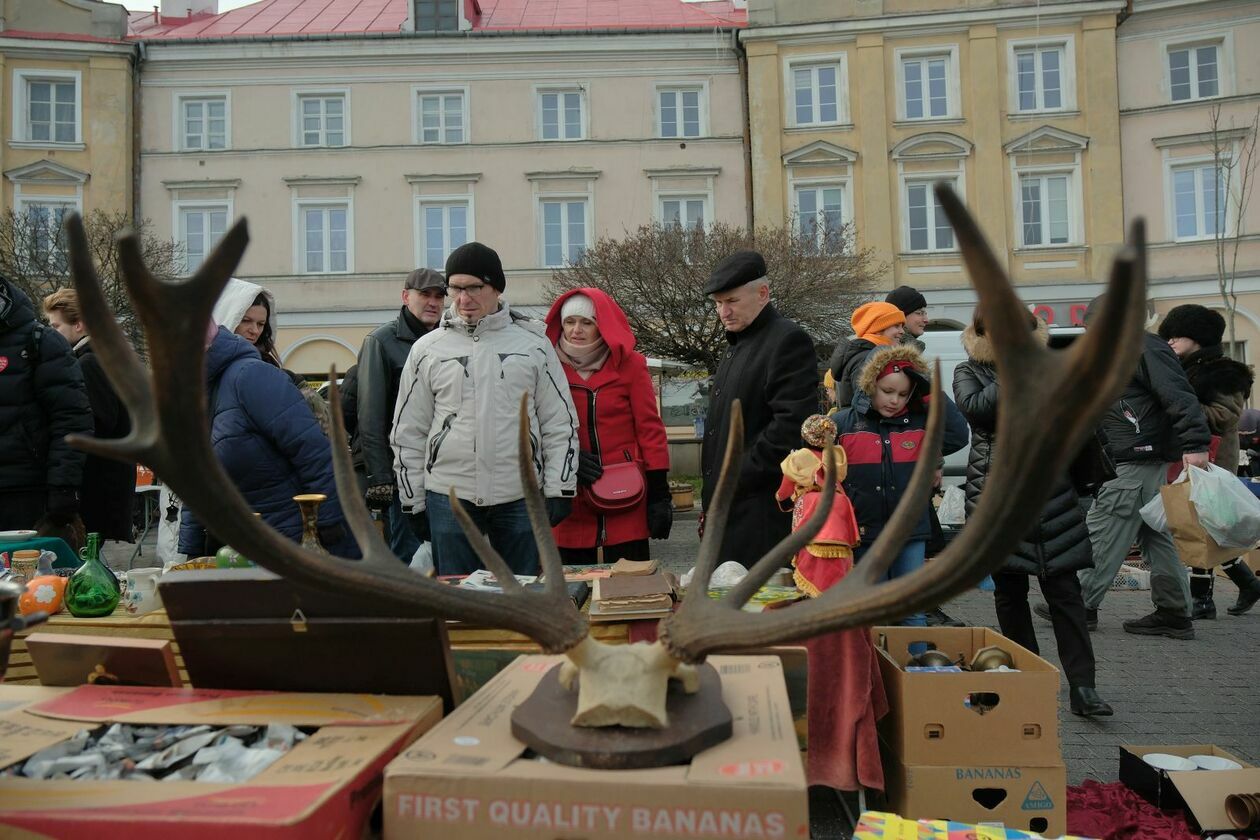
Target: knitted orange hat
pixel 870 319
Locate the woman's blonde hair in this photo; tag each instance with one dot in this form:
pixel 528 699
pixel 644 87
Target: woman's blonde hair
pixel 66 302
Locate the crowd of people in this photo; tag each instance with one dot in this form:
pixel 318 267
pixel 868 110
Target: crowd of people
pixel 433 409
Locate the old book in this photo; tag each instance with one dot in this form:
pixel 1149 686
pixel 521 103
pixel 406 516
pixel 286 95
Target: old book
pixel 635 567
pixel 633 593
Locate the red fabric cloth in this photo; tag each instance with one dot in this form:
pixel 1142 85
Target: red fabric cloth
pixel 621 403
pixel 1112 811
pixel 846 697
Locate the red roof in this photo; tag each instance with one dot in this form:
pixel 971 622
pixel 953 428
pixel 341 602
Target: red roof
pixel 351 17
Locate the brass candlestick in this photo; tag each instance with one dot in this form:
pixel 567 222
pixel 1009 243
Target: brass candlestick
pixel 309 504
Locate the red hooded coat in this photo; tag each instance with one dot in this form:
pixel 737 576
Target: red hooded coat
pixel 617 418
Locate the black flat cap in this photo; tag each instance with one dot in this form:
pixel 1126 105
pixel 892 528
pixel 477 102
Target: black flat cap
pixel 739 268
pixel 425 278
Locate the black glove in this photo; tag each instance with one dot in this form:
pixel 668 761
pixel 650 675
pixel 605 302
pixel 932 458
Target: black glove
pixel 558 510
pixel 660 518
pixel 63 501
pixel 420 525
pixel 589 468
pixel 380 496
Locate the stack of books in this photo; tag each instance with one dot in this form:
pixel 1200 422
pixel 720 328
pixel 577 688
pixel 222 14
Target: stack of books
pixel 631 597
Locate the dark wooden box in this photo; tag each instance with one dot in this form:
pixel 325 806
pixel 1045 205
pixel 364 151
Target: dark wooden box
pixel 251 629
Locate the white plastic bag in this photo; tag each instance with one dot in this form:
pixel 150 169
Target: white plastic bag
pixel 953 509
pixel 1153 511
pixel 1227 511
pixel 727 574
pixel 422 560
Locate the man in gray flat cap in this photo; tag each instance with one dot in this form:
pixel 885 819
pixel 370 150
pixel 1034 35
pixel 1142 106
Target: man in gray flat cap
pixel 770 366
pixel 381 361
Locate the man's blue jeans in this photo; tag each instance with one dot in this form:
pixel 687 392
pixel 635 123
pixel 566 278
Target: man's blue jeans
pixel 506 525
pixel 402 540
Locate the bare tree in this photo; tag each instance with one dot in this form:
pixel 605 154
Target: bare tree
pixel 1234 159
pixel 657 275
pixel 33 255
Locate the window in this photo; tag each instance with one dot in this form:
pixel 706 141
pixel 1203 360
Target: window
pixel 322 119
pixel 440 117
pixel 681 111
pixel 52 109
pixel 1193 72
pixel 437 15
pixel 816 92
pixel 560 115
pixel 820 216
pixel 1044 210
pixel 205 123
pixel 564 231
pixel 684 210
pixel 1039 73
pixel 1198 201
pixel 443 228
pixel 200 229
pixel 325 238
pixel 45 245
pixel 926 226
pixel 926 86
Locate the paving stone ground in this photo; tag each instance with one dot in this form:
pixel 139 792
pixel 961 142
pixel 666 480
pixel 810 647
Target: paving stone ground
pixel 1203 691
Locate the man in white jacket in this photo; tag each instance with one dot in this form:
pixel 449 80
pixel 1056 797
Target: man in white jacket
pixel 456 419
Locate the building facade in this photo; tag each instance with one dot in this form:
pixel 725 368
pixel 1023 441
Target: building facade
pixel 858 108
pixel 66 72
pixel 1189 102
pixel 357 157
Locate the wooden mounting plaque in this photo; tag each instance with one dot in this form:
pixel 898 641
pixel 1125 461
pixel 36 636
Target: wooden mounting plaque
pixel 696 722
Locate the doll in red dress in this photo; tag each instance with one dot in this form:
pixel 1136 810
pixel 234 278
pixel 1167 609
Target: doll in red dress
pixel 829 556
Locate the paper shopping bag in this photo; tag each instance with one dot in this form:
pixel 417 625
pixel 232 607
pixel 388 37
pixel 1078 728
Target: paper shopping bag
pixel 1195 546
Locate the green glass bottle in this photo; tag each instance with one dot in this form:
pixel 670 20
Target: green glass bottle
pixel 92 591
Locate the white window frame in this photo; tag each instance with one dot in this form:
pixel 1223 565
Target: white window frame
pixel 423 201
pixel 179 206
pixel 684 196
pixel 1171 165
pixel 1224 43
pixel 1073 206
pixel 953 94
pixel 178 133
pixel 324 93
pixel 583 105
pixel 70 202
pixel 956 179
pixel 22 77
pixel 419 91
pixel 563 197
pixel 845 185
pixel 300 205
pixel 1067 74
pixel 701 87
pixel 797 62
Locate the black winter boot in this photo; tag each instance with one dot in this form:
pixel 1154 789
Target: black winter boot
pixel 1201 604
pixel 1248 587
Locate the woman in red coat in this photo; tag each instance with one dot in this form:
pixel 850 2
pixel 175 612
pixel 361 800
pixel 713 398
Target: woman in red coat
pixel 618 421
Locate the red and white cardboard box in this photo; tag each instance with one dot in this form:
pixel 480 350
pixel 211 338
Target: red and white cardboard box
pixel 326 786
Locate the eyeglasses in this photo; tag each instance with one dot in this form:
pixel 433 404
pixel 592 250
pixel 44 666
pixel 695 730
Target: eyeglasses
pixel 472 290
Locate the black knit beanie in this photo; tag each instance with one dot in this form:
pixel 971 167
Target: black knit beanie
pixel 476 260
pixel 906 298
pixel 1201 325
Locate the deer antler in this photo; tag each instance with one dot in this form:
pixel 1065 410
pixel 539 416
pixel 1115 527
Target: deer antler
pixel 170 434
pixel 1049 403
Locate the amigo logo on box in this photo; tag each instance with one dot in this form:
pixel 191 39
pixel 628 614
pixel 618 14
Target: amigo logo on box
pixel 752 769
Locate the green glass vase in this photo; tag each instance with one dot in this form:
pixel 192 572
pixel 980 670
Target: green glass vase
pixel 92 590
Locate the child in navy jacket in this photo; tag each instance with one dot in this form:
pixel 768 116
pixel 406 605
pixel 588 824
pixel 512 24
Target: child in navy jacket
pixel 883 434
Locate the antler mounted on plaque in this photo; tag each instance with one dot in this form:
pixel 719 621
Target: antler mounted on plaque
pixel 1046 411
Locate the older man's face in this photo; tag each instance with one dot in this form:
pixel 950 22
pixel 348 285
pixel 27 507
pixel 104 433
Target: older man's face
pixel 739 307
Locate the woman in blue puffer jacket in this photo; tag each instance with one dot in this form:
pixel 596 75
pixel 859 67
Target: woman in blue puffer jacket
pixel 270 444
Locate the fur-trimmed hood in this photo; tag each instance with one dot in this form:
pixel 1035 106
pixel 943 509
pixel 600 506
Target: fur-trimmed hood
pixel 1214 375
pixel 881 357
pixel 980 349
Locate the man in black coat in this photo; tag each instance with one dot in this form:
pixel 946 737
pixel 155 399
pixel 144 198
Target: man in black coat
pixel 381 360
pixel 771 368
pixel 108 493
pixel 42 399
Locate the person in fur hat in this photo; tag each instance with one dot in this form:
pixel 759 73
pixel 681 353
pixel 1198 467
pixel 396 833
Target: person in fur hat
pixel 1053 551
pixel 882 437
pixel 1223 387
